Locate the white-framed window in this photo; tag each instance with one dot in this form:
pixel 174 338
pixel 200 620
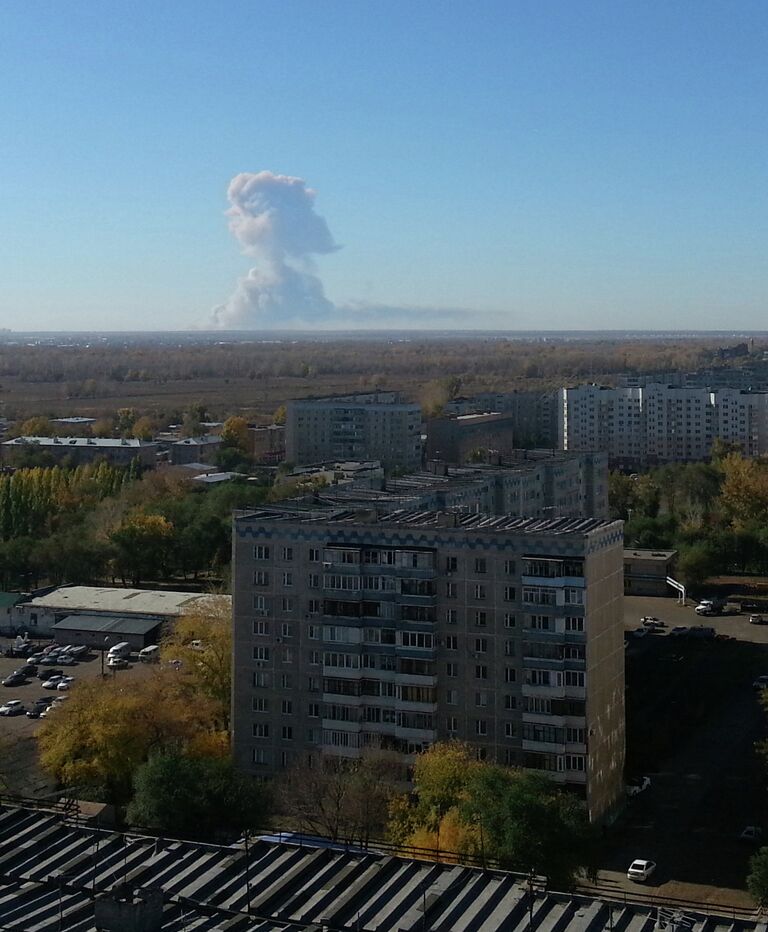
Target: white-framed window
pixel 452 670
pixel 574 678
pixel 509 567
pixel 452 642
pixel 509 729
pixel 481 727
pixel 574 596
pixel 261 628
pixel 481 671
pixel 287 655
pixel 261 552
pixel 287 733
pixel 261 679
pixel 314 554
pixel 286 553
pixel 481 645
pixel 481 699
pixel 574 624
pixel 261 577
pixel 575 762
pixel 261 653
pixel 314 606
pixel 510 675
pixel 260 757
pixel 481 619
pixel 261 730
pixel 451 616
pixel 510 593
pixel 287 707
pixel 287 603
pixel 479 591
pixel 260 704
pixel 452 697
pixel 287 578
pixel 286 629
pixel 510 620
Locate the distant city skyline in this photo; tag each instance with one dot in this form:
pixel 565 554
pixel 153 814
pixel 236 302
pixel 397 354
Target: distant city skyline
pixel 511 166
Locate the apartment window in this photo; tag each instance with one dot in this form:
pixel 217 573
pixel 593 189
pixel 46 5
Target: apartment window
pixel 481 645
pixel 261 628
pixel 313 580
pixel 481 565
pixel 260 679
pixel 313 710
pixel 260 704
pixel 574 624
pixel 452 697
pixel 286 681
pixel 314 657
pixel 417 639
pixel 261 578
pixel 509 567
pixel 311 738
pixel 451 564
pixel 261 653
pixel 574 678
pixel 287 655
pixel 481 671
pixel 481 619
pixel 313 684
pixel 510 757
pixel 452 670
pixel 313 632
pixel 575 735
pixel 261 730
pixel 541 623
pixel 510 675
pixel 452 642
pixel 259 757
pixel 313 607
pixel 261 552
pixel 481 699
pixel 287 732
pixel 574 596
pixel 575 762
pixel 287 707
pixel 451 616
pixel 451 590
pixel 510 593
pixel 510 620
pixel 314 554
pixel 481 727
pixel 287 578
pixel 509 648
pixel 452 724
pixel 286 603
pixel 509 729
pixel 510 702
pixel 538 595
pixel 286 553
pixel 479 591
pixel 286 629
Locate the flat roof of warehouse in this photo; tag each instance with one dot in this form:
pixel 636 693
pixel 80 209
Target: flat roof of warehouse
pixel 107 624
pixel 116 600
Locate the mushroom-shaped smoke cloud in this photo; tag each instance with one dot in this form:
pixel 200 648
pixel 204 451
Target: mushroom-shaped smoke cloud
pixel 273 217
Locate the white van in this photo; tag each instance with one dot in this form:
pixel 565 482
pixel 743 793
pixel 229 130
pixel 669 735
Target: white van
pixel 150 654
pixel 123 650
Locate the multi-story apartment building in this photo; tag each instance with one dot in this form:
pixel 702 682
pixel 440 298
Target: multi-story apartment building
pixel 358 630
pixel 456 439
pixel 533 414
pixel 661 423
pixel 371 426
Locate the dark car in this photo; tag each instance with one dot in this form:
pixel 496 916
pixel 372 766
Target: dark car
pixel 701 632
pixel 28 669
pixel 47 674
pixel 15 679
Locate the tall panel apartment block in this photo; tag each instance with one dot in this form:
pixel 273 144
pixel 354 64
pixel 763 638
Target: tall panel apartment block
pixel 356 630
pixel 365 426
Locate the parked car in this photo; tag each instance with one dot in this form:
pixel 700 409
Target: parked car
pixel 637 786
pixel 15 679
pixel 648 618
pixel 701 632
pixel 66 660
pixel 53 682
pixel 653 625
pixel 50 660
pixel 47 674
pixel 679 631
pixel 705 608
pixel 752 834
pixel 640 870
pixel 29 669
pixel 756 620
pixel 64 683
pixel 79 651
pixel 117 663
pixel 13 707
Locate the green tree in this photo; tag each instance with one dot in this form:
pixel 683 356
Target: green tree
pixel 757 878
pixel 143 544
pixel 196 797
pixel 235 434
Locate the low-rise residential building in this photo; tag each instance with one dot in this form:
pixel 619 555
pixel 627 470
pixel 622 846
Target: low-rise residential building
pixel 358 630
pixel 268 444
pixel 195 449
pixel 118 451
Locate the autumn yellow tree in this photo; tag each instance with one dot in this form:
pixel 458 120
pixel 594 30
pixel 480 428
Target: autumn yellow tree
pixel 142 543
pixel 744 490
pixel 200 646
pixel 107 729
pixel 234 433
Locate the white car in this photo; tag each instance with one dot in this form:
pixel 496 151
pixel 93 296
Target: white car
pixel 640 870
pixel 12 707
pixel 53 682
pixel 64 683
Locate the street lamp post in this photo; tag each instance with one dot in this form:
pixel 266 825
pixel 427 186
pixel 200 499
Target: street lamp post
pixel 103 649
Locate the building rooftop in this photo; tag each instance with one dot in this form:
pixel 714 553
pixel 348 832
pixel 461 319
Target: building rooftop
pixel 198 441
pixel 107 624
pixel 51 868
pixel 74 420
pixel 429 519
pixel 650 554
pixel 133 601
pixel 103 442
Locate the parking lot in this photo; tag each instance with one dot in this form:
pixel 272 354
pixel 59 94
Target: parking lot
pixel 693 719
pixel 20 770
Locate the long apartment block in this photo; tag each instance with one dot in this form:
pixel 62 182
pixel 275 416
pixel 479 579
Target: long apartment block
pixel 358 630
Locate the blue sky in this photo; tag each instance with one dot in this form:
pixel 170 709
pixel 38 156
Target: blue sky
pixel 532 163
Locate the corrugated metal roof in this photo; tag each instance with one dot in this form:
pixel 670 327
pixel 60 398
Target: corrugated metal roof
pixel 50 867
pixel 108 623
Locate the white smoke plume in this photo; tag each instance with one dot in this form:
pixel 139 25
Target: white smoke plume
pixel 273 217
